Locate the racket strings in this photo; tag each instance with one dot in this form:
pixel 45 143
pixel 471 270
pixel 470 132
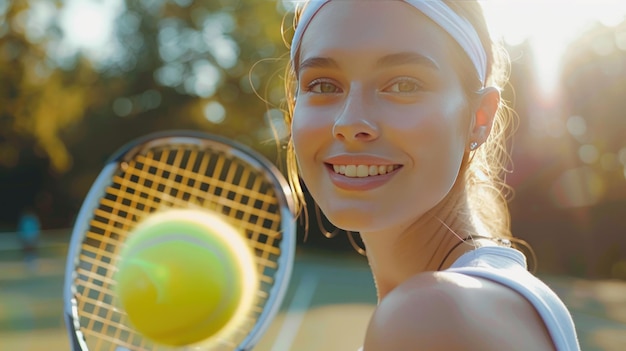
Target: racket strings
pixel 172 177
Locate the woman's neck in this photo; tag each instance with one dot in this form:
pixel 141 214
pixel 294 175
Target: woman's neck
pixel 421 247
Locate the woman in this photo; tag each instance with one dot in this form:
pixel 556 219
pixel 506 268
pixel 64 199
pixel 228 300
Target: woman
pixel 399 133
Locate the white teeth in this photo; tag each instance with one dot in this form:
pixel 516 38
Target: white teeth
pixel 350 171
pixel 373 170
pixel 361 171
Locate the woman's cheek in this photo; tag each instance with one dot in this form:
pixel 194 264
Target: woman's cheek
pixel 304 129
pixel 311 122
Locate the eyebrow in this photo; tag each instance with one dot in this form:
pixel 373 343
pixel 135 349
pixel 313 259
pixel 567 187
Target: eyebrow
pixel 318 62
pixel 398 59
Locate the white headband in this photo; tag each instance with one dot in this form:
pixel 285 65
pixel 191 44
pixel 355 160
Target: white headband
pixel 458 27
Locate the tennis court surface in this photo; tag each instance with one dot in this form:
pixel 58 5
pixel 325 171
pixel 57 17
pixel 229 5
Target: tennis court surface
pixel 327 307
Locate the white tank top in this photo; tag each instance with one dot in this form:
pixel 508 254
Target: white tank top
pixel 507 266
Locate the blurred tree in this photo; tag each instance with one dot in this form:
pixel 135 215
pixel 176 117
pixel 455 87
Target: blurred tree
pixel 594 78
pixel 174 64
pixel 183 65
pixel 594 81
pixel 38 99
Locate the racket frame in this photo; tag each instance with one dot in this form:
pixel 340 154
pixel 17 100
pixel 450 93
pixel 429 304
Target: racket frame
pixel 98 190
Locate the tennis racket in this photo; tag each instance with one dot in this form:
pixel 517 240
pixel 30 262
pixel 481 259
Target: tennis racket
pixel 176 170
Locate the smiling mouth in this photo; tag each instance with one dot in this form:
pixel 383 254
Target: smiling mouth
pixel 362 171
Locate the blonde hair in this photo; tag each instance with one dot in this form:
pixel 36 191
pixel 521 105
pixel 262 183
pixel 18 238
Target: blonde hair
pixel 483 171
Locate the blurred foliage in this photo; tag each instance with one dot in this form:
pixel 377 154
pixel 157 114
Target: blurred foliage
pixel 203 65
pixel 38 100
pixel 594 85
pixel 594 81
pixel 570 160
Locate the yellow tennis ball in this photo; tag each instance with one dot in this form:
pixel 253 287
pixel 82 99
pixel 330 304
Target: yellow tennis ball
pixel 185 276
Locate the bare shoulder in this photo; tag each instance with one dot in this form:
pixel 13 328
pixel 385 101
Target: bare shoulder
pixel 452 311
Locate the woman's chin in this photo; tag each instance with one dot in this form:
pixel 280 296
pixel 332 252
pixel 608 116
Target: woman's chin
pixel 354 221
pixel 351 222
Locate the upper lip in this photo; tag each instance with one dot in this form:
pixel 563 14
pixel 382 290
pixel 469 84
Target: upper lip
pixel 357 159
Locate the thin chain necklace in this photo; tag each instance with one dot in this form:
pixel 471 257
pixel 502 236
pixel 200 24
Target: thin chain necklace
pixel 499 241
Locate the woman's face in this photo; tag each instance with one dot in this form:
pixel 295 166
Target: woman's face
pixel 381 122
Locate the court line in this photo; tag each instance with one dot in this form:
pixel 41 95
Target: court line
pixel 296 311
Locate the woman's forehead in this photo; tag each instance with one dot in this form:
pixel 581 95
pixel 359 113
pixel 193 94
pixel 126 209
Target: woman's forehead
pixel 361 28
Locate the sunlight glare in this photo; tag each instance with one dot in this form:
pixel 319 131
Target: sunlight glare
pixel 88 25
pixel 549 26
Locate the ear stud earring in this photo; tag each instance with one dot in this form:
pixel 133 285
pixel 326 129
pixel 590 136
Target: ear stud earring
pixel 473 145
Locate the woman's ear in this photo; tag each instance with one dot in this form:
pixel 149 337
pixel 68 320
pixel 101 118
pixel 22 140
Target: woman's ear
pixel 484 114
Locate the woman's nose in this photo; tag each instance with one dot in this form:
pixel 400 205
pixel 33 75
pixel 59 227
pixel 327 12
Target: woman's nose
pixel 355 122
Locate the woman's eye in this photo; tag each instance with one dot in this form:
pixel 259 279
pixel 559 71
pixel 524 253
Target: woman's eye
pixel 403 86
pixel 323 87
